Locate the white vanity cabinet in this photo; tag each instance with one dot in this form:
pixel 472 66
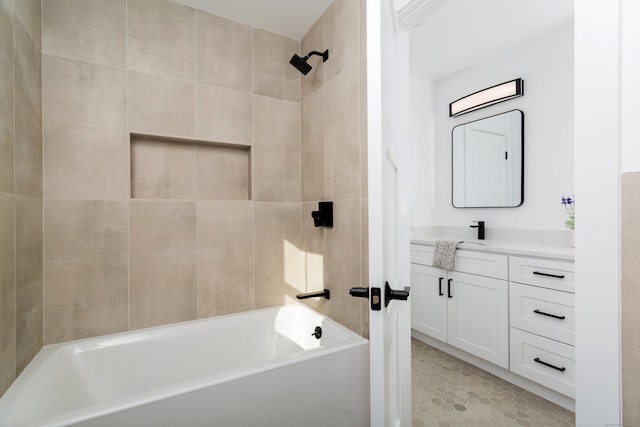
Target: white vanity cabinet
pixel 542 322
pixel 466 308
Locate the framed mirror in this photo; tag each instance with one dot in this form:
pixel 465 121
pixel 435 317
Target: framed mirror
pixel 488 162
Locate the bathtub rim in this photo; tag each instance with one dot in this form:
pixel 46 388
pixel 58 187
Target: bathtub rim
pixel 101 409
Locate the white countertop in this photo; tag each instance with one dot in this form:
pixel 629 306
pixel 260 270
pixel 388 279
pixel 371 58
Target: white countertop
pixel 507 248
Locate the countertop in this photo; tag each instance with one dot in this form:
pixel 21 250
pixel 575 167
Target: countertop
pixel 506 248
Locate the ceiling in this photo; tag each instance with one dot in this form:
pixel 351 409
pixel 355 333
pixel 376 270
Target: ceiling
pixel 291 18
pixel 454 35
pixel 461 33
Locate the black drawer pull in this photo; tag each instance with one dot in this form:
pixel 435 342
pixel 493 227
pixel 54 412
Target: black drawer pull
pixel 449 288
pixel 550 315
pixel 557 276
pixel 440 286
pixel 537 359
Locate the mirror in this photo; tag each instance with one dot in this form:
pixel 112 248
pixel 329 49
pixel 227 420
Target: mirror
pixel 488 162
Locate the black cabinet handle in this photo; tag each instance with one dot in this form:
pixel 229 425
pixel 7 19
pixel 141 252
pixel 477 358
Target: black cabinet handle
pixel 449 288
pixel 557 276
pixel 440 286
pixel 550 315
pixel 537 360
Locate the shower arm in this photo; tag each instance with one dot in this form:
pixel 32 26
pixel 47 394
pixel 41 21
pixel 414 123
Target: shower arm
pixel 325 55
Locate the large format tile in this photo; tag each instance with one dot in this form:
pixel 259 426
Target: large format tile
pixel 312 146
pixel 222 172
pixel 224 115
pixel 162 169
pixel 630 317
pixel 278 257
pixel 6 156
pixel 29 289
pixel 272 74
pixel 276 149
pixel 342 36
pixel 84 131
pixel 342 135
pixel 6 96
pixel 314 40
pixel 28 114
pixel 224 51
pixel 225 258
pixel 161 106
pixel 86 30
pixel 85 267
pixel 28 12
pixel 7 293
pixel 313 247
pixel 162 263
pixel 343 263
pixel 161 38
pixel 364 141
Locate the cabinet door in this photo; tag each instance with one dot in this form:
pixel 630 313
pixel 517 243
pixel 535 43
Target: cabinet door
pixel 479 317
pixel 428 307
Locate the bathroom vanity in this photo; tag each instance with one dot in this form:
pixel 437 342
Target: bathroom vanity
pixel 507 308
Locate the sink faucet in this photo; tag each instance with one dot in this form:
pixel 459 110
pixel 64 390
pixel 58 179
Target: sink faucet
pixel 480 228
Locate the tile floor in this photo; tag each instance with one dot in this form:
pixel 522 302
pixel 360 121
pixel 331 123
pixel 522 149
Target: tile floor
pixel 448 392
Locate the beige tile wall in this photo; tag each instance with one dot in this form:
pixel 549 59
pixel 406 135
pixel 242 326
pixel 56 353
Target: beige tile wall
pixel 20 187
pixel 334 159
pixel 630 298
pixel 85 265
pixel 111 263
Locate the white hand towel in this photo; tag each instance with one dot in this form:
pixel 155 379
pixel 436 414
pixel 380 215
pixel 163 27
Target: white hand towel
pixel 444 255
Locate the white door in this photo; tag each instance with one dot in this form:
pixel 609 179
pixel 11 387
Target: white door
pixel 387 115
pixel 486 165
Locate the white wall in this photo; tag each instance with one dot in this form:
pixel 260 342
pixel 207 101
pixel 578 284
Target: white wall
pixel 630 154
pixel 546 65
pixel 598 114
pixel 423 163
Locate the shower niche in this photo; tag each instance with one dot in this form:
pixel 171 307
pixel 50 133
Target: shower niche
pixel 190 169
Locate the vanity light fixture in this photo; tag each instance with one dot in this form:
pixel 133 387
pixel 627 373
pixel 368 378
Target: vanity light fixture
pixel 489 96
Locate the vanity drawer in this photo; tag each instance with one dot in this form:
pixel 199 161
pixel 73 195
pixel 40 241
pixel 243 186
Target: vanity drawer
pixel 541 272
pixel 544 361
pixel 482 264
pixel 542 311
pixel 479 263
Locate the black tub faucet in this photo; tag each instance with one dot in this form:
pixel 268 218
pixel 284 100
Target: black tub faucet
pixel 480 228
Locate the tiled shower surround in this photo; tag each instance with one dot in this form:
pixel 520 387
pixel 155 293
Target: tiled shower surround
pixel 630 298
pixel 208 212
pixel 21 289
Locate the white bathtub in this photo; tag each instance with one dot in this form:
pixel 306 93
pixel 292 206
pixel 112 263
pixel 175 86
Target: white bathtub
pixel 260 368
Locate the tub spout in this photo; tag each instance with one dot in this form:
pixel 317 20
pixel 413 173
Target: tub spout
pixel 324 293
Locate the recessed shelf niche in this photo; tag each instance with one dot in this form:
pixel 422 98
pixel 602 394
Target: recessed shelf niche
pixel 181 168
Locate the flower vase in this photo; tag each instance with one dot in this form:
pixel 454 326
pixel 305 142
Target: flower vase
pixel 573 237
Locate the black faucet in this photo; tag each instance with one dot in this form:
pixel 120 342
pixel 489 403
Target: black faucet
pixel 480 228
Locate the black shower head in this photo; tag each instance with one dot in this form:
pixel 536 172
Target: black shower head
pixel 301 63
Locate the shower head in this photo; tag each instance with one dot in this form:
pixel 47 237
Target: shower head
pixel 301 63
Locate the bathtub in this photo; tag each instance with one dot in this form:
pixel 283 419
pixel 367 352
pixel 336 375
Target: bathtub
pixel 259 368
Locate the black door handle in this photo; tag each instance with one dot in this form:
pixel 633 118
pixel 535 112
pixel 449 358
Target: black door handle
pixel 390 294
pixel 440 286
pixel 449 288
pixel 359 292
